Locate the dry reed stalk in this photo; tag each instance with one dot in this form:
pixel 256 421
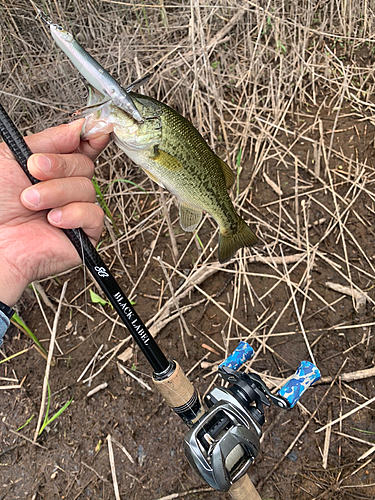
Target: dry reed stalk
pixel 48 364
pixel 113 467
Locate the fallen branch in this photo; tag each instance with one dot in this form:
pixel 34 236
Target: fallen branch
pixel 359 297
pixel 350 377
pixel 288 259
pixel 272 184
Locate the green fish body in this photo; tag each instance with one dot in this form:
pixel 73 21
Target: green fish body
pixel 174 155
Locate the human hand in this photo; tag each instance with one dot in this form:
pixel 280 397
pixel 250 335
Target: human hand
pixel 32 246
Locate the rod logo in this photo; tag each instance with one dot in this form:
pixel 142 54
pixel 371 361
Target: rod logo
pixel 101 272
pixel 133 320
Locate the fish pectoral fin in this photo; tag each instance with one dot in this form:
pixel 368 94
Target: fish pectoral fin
pixel 153 178
pixel 228 174
pixel 141 81
pixel 190 217
pixel 167 161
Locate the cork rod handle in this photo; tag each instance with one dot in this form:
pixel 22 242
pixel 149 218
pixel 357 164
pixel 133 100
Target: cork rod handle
pixel 244 489
pixel 179 393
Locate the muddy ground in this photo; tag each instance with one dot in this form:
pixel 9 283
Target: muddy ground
pixel 71 459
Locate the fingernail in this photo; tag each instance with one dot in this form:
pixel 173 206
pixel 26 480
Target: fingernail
pixel 43 163
pixel 31 197
pixel 55 216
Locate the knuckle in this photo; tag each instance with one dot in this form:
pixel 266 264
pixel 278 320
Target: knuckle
pixel 88 188
pixel 75 164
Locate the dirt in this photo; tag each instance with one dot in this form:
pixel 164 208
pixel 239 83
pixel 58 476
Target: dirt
pixel 70 459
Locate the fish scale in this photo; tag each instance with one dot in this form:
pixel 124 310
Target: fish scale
pixel 174 155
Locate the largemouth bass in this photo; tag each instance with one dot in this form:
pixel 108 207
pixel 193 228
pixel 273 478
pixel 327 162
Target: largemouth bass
pixel 174 155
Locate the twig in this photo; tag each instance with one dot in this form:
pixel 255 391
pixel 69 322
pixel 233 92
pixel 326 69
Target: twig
pixel 90 363
pixel 343 417
pixel 115 351
pixel 174 297
pixel 327 439
pixel 272 184
pixel 350 377
pixel 185 493
pixel 124 450
pixel 358 296
pixel 26 438
pixel 169 224
pixel 98 388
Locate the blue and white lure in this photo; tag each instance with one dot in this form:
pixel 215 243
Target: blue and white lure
pixel 91 70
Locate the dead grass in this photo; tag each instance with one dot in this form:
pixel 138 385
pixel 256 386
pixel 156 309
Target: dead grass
pixel 284 93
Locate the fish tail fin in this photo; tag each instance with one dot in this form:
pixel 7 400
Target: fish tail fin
pixel 228 245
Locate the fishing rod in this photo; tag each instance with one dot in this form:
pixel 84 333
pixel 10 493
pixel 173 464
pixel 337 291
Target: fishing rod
pixel 223 439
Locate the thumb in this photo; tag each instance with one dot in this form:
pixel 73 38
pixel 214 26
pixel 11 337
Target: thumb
pixel 93 147
pixel 63 139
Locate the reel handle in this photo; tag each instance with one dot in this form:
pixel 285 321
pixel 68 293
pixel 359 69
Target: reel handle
pixel 239 356
pixel 306 375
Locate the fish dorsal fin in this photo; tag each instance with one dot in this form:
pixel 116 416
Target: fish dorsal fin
pixel 228 174
pixel 167 161
pixel 190 217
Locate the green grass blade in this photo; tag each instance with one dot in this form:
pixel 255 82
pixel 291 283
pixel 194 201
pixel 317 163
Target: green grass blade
pixel 26 423
pixel 18 321
pixel 199 241
pixel 47 420
pixel 14 355
pixel 238 165
pixel 128 182
pixel 104 205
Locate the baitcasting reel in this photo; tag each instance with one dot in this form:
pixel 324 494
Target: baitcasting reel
pixel 225 441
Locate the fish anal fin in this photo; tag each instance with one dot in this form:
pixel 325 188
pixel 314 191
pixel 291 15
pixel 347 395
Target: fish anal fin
pixel 228 174
pixel 190 217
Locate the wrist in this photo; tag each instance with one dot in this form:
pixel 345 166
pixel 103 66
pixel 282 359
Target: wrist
pixel 12 281
pixel 11 290
pixel 9 298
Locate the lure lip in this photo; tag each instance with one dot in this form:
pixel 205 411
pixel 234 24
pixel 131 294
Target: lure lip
pixel 95 73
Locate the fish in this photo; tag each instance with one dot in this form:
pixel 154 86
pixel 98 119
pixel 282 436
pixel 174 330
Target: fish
pixel 173 154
